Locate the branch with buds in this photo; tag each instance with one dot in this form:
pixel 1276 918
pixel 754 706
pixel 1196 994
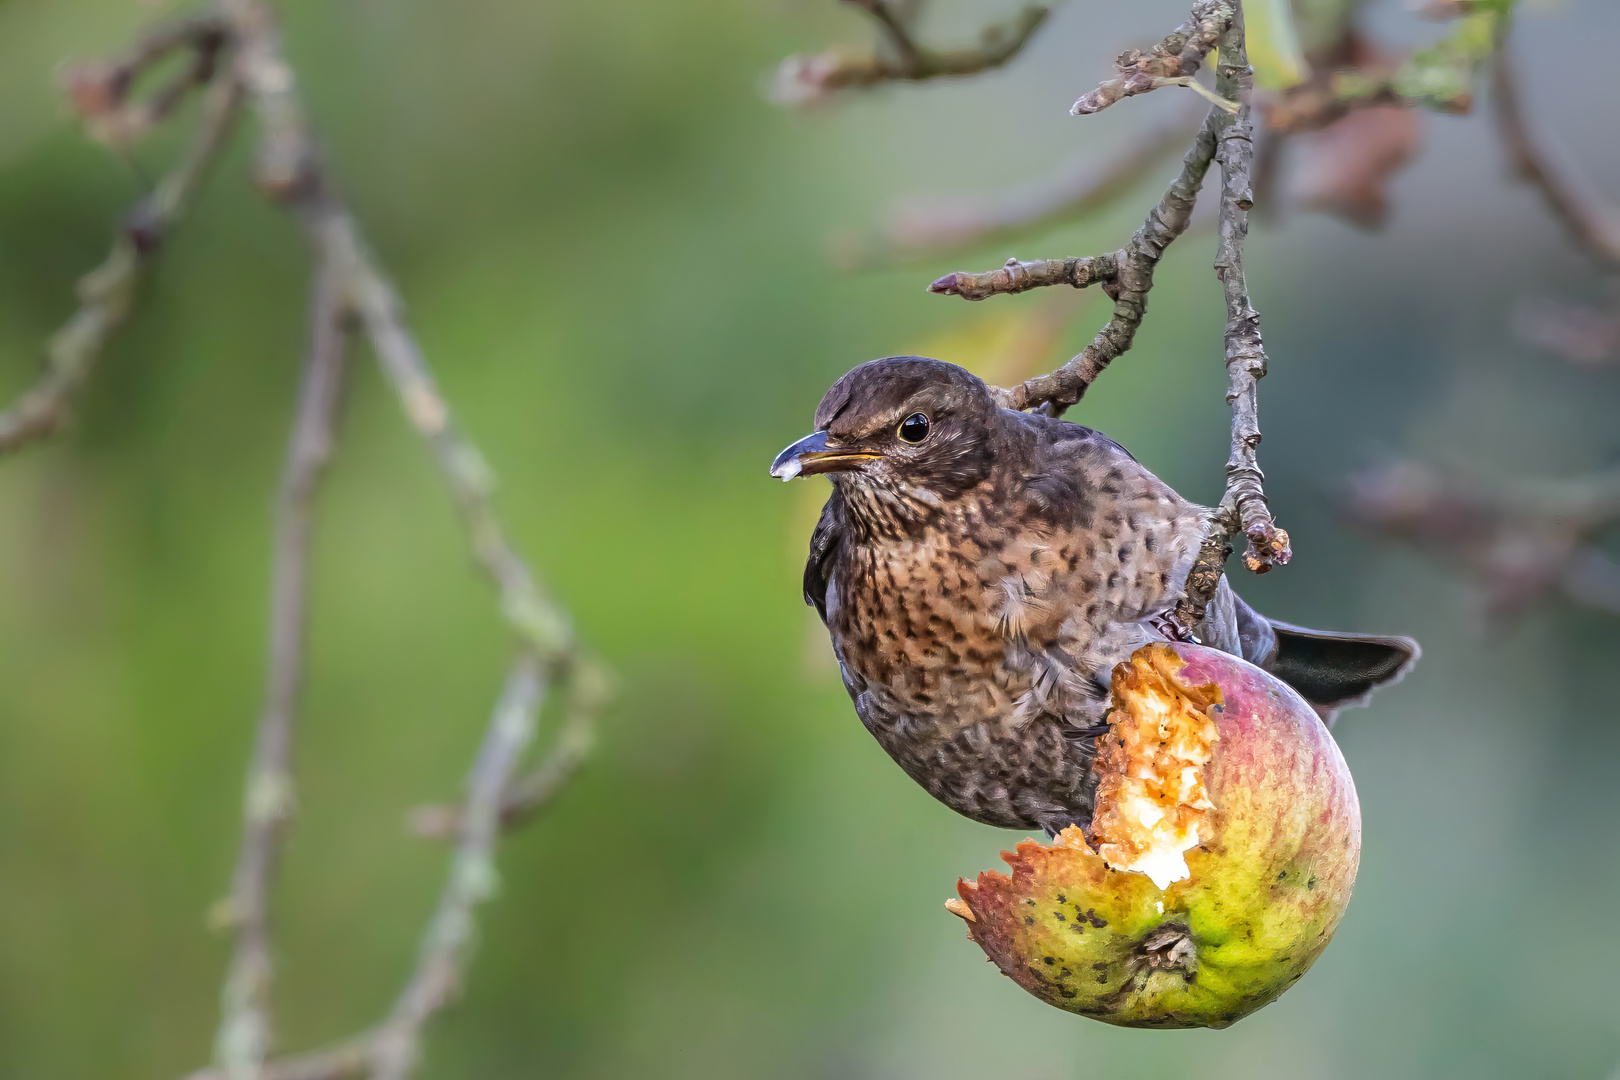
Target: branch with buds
pixel 1172 62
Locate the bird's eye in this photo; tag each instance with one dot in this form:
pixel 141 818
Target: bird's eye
pixel 914 428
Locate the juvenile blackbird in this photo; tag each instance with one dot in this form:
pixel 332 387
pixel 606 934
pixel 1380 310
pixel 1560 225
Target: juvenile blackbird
pixel 982 570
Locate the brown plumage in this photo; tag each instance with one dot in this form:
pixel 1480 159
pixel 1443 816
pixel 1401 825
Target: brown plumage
pixel 981 571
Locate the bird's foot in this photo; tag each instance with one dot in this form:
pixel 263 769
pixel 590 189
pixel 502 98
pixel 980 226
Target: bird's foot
pixel 1171 626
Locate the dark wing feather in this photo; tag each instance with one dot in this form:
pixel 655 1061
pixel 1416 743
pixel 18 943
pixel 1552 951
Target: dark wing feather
pixel 823 546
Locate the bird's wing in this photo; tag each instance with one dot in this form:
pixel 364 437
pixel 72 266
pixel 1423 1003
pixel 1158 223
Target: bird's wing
pixel 823 546
pixel 1108 547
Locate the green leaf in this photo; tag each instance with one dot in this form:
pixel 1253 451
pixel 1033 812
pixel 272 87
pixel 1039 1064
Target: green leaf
pixel 1442 76
pixel 1273 44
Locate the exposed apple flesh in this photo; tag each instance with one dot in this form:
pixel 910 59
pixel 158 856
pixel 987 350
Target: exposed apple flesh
pixel 1216 867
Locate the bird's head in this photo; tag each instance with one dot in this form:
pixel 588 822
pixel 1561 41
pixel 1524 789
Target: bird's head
pixel 907 427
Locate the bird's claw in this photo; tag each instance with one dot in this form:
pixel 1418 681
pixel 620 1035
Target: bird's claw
pixel 1169 624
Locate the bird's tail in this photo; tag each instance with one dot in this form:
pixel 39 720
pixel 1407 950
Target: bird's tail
pixel 1330 670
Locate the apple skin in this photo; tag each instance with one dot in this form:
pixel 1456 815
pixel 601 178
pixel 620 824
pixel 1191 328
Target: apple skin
pixel 1265 889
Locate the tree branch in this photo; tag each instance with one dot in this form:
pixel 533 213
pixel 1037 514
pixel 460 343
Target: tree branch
pixel 806 80
pixel 1590 220
pixel 389 1051
pixel 1134 266
pixel 1172 62
pixel 244 1037
pixel 1017 277
pixel 1245 353
pixel 1245 499
pixel 101 89
pixel 107 293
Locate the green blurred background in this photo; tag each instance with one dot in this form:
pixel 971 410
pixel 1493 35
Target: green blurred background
pixel 614 251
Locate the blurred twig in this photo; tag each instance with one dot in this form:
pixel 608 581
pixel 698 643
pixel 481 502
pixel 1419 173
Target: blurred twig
pixel 289 169
pixel 937 226
pixel 1521 539
pixel 1592 222
pixel 1582 335
pixel 107 293
pixel 531 793
pixel 389 1051
pixel 806 80
pixel 103 90
pixel 245 1029
pixel 349 289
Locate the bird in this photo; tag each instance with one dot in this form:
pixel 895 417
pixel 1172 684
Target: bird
pixel 980 572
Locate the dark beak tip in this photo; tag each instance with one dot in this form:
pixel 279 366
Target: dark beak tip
pixel 788 463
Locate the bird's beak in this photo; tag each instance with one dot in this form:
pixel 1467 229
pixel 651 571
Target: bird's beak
pixel 816 453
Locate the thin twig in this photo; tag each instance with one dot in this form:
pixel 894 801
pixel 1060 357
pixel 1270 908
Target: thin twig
pixel 107 293
pixel 1591 221
pixel 1245 352
pixel 806 80
pixel 472 877
pixel 895 28
pixel 1134 266
pixel 1017 277
pixel 340 1061
pixel 390 1051
pixel 531 793
pixel 1245 497
pixel 101 89
pixel 245 1033
pixel 1172 62
pixel 937 226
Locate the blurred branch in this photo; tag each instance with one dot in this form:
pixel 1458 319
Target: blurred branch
pixel 245 1029
pixel 1172 62
pixel 107 293
pixel 290 171
pixel 472 877
pixel 101 90
pixel 1591 221
pixel 389 1051
pixel 1522 540
pixel 531 793
pixel 349 287
pixel 1579 334
pixel 937 226
pixel 805 80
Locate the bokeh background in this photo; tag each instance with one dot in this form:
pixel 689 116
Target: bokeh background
pixel 614 249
